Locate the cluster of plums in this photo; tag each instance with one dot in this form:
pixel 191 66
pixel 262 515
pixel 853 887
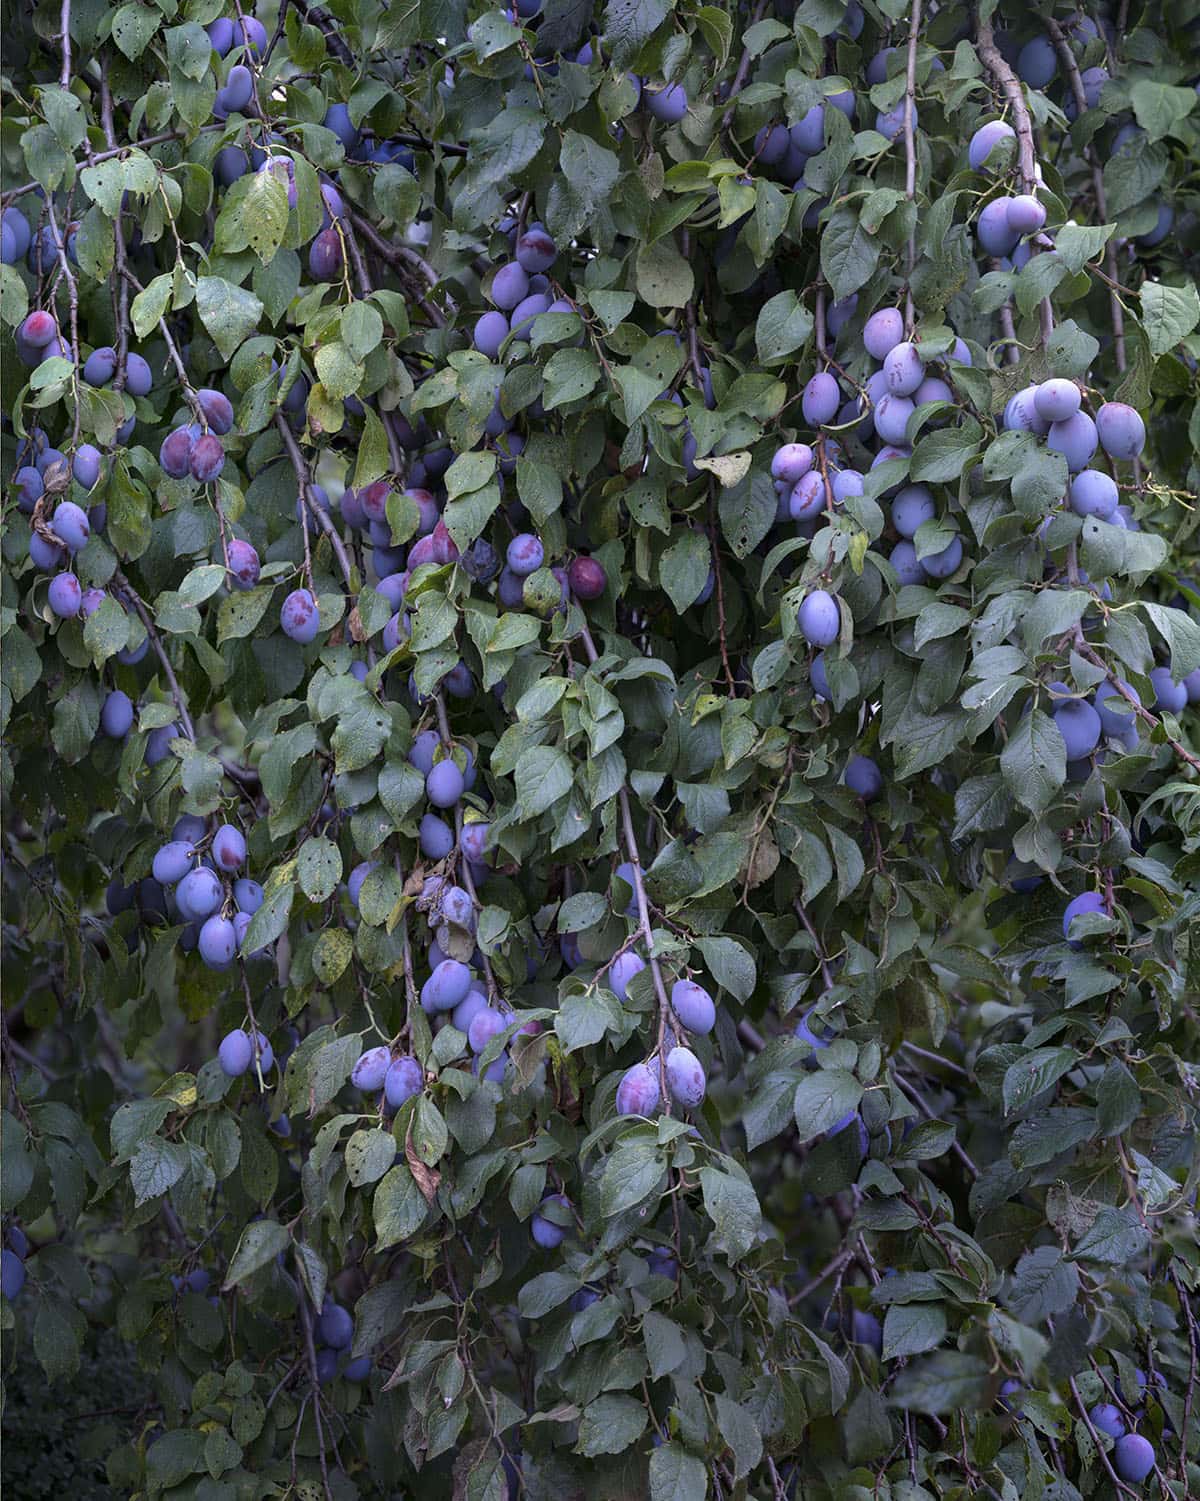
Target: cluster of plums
pixel 639 1091
pixel 333 1335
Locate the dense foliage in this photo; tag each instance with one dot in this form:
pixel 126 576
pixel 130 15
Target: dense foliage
pixel 601 671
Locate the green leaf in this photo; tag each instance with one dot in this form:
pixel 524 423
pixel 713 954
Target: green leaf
pixel 823 1100
pixel 229 313
pixel 587 175
pixel 1115 1238
pixel 740 1432
pixel 543 775
pixel 319 868
pixel 731 964
pixel 629 24
pixel 132 28
pixel 1034 1072
pixel 610 1425
pixel 260 1243
pixel 732 1205
pixel 784 325
pixel 912 1329
pixel 684 567
pixel 1044 1284
pixel 676 1475
pixel 1034 761
pixel 633 1172
pixel 849 254
pixel 942 456
pixel 1077 244
pixel 399 1207
pixel 943 1383
pixel 664 278
pixel 1169 313
pixel 747 511
pixel 1160 108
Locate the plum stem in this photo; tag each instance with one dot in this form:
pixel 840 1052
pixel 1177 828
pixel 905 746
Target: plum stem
pixel 189 391
pixel 60 245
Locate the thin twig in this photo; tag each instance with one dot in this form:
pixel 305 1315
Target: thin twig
pixel 310 1351
pixel 826 972
pixel 139 605
pixel 1091 1428
pixel 743 70
pixel 315 510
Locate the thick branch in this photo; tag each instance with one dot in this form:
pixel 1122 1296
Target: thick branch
pixel 1023 125
pixel 328 27
pixel 64 76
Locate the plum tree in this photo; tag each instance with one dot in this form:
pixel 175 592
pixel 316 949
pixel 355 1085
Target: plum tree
pixel 663 536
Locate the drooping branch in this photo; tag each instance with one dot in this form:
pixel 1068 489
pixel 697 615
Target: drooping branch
pixel 120 282
pixel 310 1353
pixel 1087 651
